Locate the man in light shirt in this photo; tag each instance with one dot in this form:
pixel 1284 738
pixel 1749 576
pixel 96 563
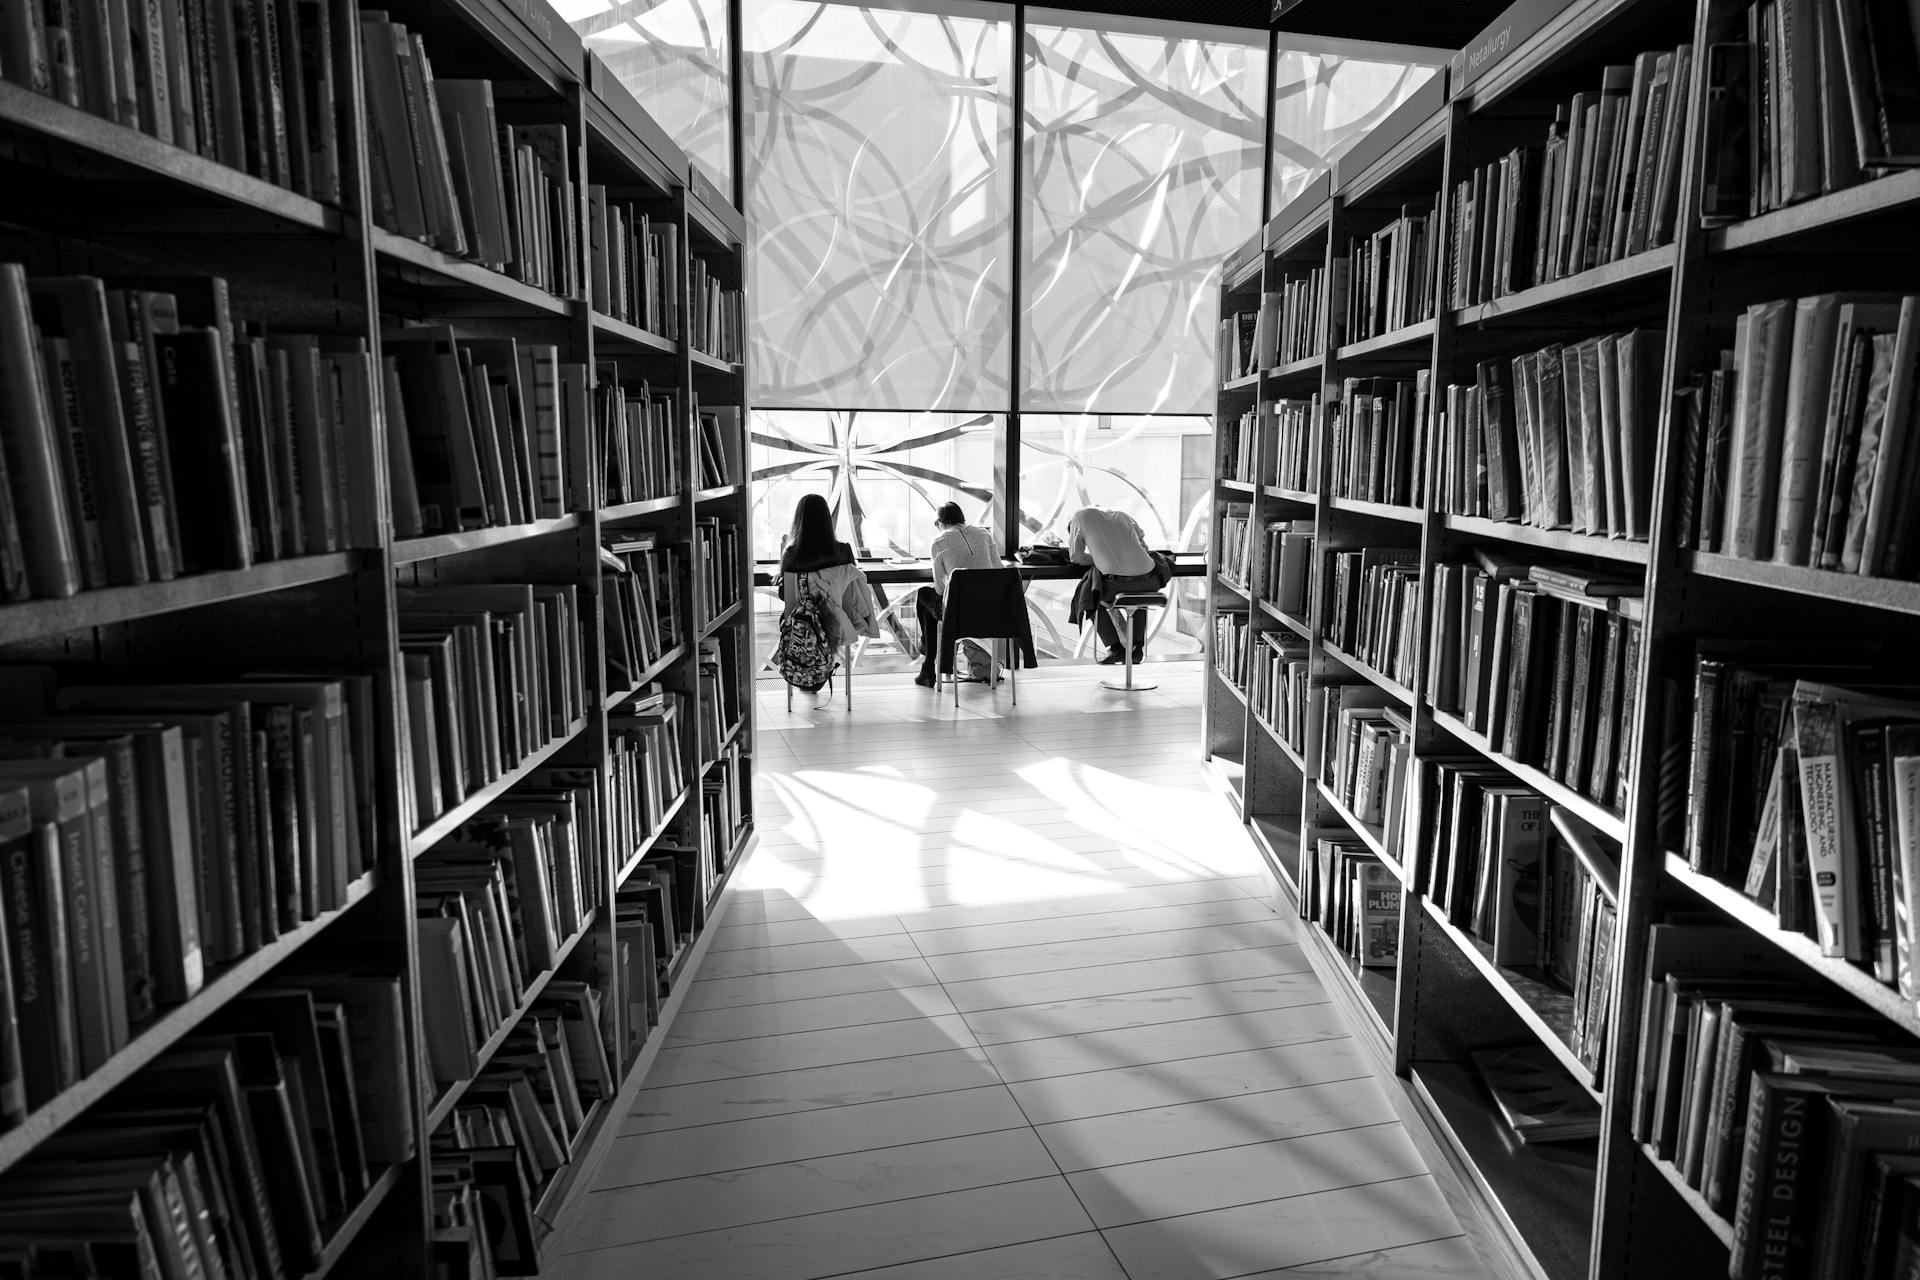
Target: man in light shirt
pixel 958 545
pixel 1111 542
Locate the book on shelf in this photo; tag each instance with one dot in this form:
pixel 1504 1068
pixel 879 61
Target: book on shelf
pixel 1355 898
pixel 1602 185
pixel 1559 438
pixel 134 402
pixel 494 673
pixel 453 169
pixel 642 610
pixel 253 87
pixel 1279 684
pixel 1290 425
pixel 1365 754
pixel 1537 1098
pixel 717 321
pixel 643 446
pixel 1372 607
pixel 725 813
pixel 721 444
pixel 1230 633
pixel 1302 311
pixel 1378 440
pixel 1289 562
pixel 1235 353
pixel 1796 793
pixel 1234 560
pixel 1392 276
pixel 486 436
pixel 647 772
pixel 634 267
pixel 717 551
pixel 1545 669
pixel 232 1153
pixel 1803 100
pixel 1797 444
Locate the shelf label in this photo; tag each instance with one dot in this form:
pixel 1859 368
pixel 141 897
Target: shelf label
pixel 1508 32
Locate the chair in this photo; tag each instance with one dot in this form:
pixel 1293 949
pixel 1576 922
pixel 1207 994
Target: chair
pixel 983 604
pixel 850 654
pixel 1123 608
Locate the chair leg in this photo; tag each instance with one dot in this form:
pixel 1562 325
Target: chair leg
pixel 1013 673
pixel 789 697
pixel 849 652
pixel 1124 625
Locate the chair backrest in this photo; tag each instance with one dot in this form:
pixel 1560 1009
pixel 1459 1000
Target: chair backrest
pixel 984 604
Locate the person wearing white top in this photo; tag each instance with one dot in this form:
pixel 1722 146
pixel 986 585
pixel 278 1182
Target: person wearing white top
pixel 1112 544
pixel 958 545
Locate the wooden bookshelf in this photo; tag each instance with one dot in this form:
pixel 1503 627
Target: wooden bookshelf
pixel 92 195
pixel 1608 1208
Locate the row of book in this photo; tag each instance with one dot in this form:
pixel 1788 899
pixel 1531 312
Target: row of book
pixel 1365 754
pixel 1234 560
pixel 234 1153
pixel 1797 447
pixel 1377 440
pixel 1299 314
pixel 1538 888
pixel 1393 275
pixel 1799 788
pixel 1355 897
pixel 1560 438
pixel 150 831
pixel 721 684
pixel 494 674
pixel 717 550
pixel 634 269
pixel 1790 1114
pixel 647 771
pixel 1602 186
pixel 150 435
pixel 481 432
pixel 1534 659
pixel 446 171
pixel 1279 686
pixel 1801 100
pixel 252 86
pixel 642 441
pixel 640 598
pixel 1239 444
pixel 722 446
pixel 716 315
pixel 724 813
pixel 1230 655
pixel 1288 566
pixel 1373 608
pixel 1235 352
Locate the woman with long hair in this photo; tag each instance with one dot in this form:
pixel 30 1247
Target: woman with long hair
pixel 822 565
pixel 811 544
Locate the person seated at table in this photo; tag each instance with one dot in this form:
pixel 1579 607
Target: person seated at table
pixel 1111 544
pixel 958 545
pixel 826 563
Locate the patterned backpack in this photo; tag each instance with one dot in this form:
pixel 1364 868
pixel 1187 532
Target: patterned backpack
pixel 807 643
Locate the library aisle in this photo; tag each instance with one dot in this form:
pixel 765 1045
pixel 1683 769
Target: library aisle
pixel 1001 993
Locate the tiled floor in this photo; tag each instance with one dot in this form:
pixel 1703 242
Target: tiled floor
pixel 1001 995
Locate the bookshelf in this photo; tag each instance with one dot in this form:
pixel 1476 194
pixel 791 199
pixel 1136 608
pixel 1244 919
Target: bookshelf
pixel 581 825
pixel 1614 1206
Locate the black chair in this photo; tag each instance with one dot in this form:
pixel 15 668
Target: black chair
pixel 983 604
pixel 1123 608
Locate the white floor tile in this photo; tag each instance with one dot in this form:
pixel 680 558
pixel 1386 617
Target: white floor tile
pixel 709 1026
pixel 1163 1042
pixel 1142 1008
pixel 690 1063
pixel 806 984
pixel 1081 1257
pixel 1174 972
pixel 1198 1079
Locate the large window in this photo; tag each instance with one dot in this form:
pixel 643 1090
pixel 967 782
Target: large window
pixel 878 145
pixel 1142 150
pixel 674 56
pixel 899 216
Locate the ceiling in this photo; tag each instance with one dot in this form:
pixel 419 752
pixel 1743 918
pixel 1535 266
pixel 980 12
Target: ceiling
pixel 1438 24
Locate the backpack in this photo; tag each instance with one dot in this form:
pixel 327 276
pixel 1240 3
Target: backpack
pixel 805 657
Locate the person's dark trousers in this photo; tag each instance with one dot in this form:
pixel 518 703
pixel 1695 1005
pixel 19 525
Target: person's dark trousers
pixel 926 605
pixel 1110 635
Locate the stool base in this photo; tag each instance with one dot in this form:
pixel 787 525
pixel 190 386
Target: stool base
pixel 1121 687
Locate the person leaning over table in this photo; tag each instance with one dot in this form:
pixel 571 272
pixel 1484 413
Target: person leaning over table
pixel 814 554
pixel 1110 542
pixel 958 545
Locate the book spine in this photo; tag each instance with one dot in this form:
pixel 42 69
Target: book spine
pixel 1836 871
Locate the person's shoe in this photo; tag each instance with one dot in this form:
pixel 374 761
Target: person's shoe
pixel 924 681
pixel 1139 656
pixel 1112 657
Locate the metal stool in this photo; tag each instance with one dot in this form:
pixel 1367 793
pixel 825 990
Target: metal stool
pixel 1122 609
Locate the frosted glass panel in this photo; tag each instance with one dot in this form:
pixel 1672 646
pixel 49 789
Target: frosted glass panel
pixel 673 56
pixel 1323 103
pixel 1142 150
pixel 878 200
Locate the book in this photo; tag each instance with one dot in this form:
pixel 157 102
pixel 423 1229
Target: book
pixel 1536 1097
